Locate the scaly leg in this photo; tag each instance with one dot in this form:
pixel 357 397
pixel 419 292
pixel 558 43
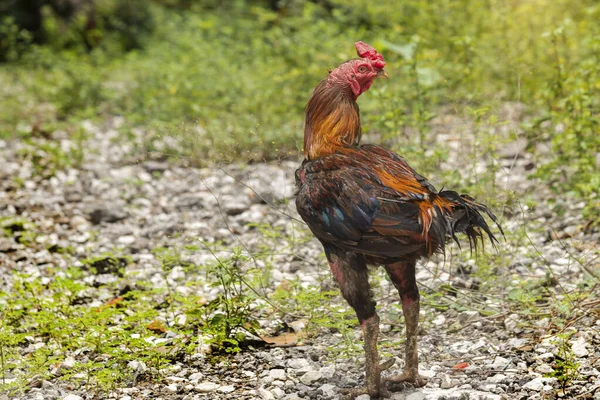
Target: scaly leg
pixel 350 271
pixel 402 275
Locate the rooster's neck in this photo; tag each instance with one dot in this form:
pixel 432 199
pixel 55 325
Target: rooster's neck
pixel 332 120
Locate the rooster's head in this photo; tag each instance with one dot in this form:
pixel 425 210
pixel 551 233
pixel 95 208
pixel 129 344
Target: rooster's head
pixel 358 74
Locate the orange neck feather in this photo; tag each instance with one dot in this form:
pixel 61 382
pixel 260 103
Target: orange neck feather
pixel 332 120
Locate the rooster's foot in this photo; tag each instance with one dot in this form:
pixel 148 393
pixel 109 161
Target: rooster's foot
pixel 410 376
pixel 373 389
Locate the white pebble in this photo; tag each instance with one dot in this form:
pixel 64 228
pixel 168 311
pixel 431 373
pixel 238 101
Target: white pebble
pixel 311 377
pixel 72 397
pixel 226 389
pixel 205 387
pixel 537 384
pixel 579 348
pixel 277 374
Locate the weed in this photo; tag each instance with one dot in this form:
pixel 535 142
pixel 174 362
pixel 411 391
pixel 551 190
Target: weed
pixel 565 368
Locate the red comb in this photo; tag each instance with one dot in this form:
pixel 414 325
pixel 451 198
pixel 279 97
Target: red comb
pixel 366 51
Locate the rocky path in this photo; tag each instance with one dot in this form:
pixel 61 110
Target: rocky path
pixel 484 347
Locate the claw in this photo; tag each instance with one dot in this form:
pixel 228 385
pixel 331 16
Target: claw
pixel 407 376
pixel 382 391
pixel 387 364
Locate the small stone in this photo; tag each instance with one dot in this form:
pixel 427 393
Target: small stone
pixel 79 223
pixel 190 201
pixel 537 384
pixel 511 322
pixel 447 382
pixel 363 397
pixel 278 393
pixel 427 373
pixel 579 348
pixel 277 374
pixel 516 343
pixel 546 356
pixel 234 206
pixel 126 240
pixel 195 377
pixel 265 394
pixel 500 363
pixel 498 378
pixel 543 323
pixel 155 166
pixel 311 377
pixel 439 320
pixel 107 213
pixel 68 363
pixel 466 316
pixel 327 372
pixel 205 387
pixel 298 363
pixel 267 380
pixel 298 325
pixel 415 396
pixel 172 388
pixel 303 370
pixel 480 344
pixel 327 390
pixel 544 369
pixel 226 389
pixel 72 397
pixel 348 381
pixel 137 366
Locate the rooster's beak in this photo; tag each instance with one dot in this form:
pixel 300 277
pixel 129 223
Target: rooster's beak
pixel 382 73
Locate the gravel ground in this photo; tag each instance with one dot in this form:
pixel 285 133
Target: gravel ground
pixel 115 200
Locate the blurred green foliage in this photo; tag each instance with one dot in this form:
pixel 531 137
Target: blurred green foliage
pixel 229 80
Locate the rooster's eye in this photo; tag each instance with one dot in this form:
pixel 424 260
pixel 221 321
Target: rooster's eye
pixel 362 68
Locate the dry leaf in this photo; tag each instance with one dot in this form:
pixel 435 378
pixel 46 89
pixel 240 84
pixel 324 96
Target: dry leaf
pixel 285 286
pixel 116 302
pixel 283 340
pixel 526 348
pixel 157 327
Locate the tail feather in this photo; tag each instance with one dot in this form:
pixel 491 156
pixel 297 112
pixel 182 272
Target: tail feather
pixel 468 217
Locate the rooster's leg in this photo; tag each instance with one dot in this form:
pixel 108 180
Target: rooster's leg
pixel 402 275
pixel 350 271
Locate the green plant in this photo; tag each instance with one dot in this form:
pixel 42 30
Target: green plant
pixel 565 367
pixel 46 157
pixel 13 40
pixel 22 230
pixel 229 315
pixel 57 318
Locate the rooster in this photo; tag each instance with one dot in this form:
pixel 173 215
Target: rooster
pixel 366 205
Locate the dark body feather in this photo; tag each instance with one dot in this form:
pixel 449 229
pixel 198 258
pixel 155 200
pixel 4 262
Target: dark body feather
pixel 369 200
